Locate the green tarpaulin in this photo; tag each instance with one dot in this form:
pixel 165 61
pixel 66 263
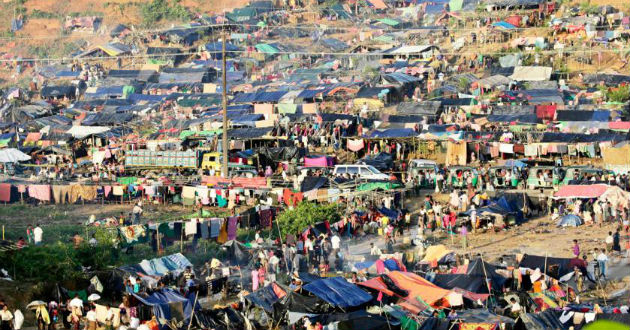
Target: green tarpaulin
pixel 287 108
pixel 378 185
pixel 267 49
pixel 127 180
pixel 187 133
pixel 208 102
pixel 389 21
pixel 455 5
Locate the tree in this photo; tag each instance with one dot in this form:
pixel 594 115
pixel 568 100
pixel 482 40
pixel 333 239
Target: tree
pixel 304 215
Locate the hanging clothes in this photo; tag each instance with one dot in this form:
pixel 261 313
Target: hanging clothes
pixel 40 192
pixel 5 192
pixel 223 235
pixel 215 227
pixel 266 217
pixel 232 227
pixel 355 145
pixel 191 227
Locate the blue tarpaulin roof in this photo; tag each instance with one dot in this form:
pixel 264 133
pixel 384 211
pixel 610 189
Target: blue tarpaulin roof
pixel 161 300
pixel 504 25
pixel 174 263
pixel 264 297
pixel 338 292
pixel 531 118
pixel 258 97
pixel 393 133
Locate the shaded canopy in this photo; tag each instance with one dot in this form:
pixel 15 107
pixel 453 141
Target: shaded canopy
pixel 12 155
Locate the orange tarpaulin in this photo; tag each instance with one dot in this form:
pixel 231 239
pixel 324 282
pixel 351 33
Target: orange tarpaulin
pixel 415 285
pixel 255 182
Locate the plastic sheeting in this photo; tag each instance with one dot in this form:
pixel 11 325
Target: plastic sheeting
pixel 266 296
pixel 394 133
pixel 165 303
pixel 175 263
pixel 581 191
pixel 338 292
pixel 317 161
pixel 12 155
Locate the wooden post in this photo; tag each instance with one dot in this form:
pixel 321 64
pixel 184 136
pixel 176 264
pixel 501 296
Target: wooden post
pixel 181 242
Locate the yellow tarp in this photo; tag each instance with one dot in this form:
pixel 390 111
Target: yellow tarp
pixel 616 156
pixel 373 104
pixel 435 253
pixel 456 153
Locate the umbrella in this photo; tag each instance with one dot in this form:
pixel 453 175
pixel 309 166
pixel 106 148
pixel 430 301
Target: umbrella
pixel 35 304
pixel 12 155
pixel 94 297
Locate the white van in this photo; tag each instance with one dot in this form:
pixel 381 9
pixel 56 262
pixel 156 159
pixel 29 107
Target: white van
pixel 368 172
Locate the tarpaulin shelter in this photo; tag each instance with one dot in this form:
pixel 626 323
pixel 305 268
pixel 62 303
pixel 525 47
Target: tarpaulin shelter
pixel 481 316
pixel 237 253
pixel 547 319
pixel 407 286
pixel 12 155
pixel 393 133
pixel 573 115
pixel 266 296
pixel 425 108
pixel 477 277
pixel 358 320
pixel 271 155
pixel 174 264
pixel 435 252
pixel 531 73
pixel 382 161
pixel 313 182
pixel 80 132
pixel 58 91
pixel 338 292
pixel 608 79
pixel 318 161
pixel 556 267
pixel 168 304
pixel 570 220
pixel 248 133
pixel 580 191
pixel 268 97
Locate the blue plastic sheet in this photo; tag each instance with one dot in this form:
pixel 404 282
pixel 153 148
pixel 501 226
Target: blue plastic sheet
pixel 338 292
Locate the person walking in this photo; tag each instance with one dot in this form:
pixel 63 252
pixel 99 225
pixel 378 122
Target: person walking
pixel 602 260
pixel 463 231
pixel 38 235
pixel 576 248
pixel 6 317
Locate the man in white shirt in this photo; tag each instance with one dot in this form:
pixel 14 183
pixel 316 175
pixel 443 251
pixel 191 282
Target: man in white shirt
pixel 602 259
pixel 515 307
pixel 335 242
pixel 91 319
pixel 374 250
pixel 109 318
pixel 137 212
pixel 609 241
pixel 38 234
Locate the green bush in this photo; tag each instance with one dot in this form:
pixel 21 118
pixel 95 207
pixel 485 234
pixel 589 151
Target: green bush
pixel 158 10
pixel 621 94
pixel 306 214
pixel 36 13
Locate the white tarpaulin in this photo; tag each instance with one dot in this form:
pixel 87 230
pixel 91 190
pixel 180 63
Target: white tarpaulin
pixel 79 132
pixel 12 155
pixel 531 73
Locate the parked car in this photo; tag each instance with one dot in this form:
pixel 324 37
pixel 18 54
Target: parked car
pixel 367 172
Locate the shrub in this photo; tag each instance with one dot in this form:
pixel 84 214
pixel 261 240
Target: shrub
pixel 304 215
pixel 158 10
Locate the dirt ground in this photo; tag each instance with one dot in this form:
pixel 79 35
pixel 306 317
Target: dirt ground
pixel 60 222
